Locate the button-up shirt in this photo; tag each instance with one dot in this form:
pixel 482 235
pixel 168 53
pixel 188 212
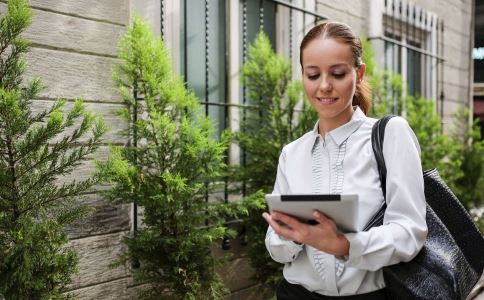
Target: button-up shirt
pixel 343 162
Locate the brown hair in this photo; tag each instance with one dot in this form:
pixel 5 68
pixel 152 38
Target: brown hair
pixel 344 34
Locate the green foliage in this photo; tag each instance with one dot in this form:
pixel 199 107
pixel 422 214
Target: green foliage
pixel 438 150
pixel 36 153
pixel 469 187
pixel 280 118
pixel 169 171
pixel 458 156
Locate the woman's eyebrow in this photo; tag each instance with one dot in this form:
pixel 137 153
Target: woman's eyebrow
pixel 339 65
pixel 332 66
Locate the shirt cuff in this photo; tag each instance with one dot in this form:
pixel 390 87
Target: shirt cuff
pixel 357 246
pixel 342 259
pixel 292 243
pixel 283 250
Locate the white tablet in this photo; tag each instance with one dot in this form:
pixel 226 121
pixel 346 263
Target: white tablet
pixel 342 208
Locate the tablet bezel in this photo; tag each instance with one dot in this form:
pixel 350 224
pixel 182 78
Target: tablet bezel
pixel 342 208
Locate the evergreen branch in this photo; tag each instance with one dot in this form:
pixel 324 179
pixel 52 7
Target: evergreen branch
pixel 37 139
pixel 67 190
pixel 15 21
pixel 45 133
pixel 13 65
pixel 65 166
pixel 12 177
pixel 30 92
pixel 47 155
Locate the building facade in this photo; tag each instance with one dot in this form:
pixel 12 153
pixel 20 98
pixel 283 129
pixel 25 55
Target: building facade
pixel 478 56
pixel 74 49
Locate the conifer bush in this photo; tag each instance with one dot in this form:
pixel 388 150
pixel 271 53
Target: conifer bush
pixel 169 167
pixel 281 115
pixel 36 153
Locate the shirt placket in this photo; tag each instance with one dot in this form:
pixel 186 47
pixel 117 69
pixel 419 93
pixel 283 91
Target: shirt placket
pixel 322 174
pixel 330 182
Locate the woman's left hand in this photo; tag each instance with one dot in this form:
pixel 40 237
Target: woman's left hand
pixel 323 236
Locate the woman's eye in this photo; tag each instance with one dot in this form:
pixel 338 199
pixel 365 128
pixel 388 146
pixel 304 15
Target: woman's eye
pixel 313 77
pixel 339 75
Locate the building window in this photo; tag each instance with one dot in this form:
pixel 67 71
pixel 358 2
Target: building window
pixel 410 40
pixel 203 54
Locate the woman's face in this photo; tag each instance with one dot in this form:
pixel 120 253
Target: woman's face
pixel 330 78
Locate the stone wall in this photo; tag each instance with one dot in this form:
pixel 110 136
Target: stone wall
pixel 74 45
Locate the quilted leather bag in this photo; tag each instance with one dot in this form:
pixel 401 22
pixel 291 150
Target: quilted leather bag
pixel 452 258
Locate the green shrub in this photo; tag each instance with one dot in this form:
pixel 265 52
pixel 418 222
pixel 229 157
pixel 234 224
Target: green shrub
pixel 35 152
pixel 169 167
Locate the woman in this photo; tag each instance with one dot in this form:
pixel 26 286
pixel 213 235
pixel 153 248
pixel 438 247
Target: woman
pixel 336 157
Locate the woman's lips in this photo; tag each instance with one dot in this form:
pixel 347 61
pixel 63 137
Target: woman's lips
pixel 326 100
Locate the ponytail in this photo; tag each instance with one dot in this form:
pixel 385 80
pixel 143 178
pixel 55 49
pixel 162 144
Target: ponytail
pixel 362 96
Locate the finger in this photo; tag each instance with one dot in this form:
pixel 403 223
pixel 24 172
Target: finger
pixel 290 221
pixel 272 222
pixel 321 218
pixel 281 230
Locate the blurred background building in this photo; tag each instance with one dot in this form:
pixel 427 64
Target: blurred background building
pixel 478 57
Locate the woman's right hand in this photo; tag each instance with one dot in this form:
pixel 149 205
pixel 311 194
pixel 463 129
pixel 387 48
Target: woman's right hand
pixel 323 236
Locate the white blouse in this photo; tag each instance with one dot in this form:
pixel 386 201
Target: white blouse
pixel 343 162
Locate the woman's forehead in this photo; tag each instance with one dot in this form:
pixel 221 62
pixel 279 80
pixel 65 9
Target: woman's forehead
pixel 328 52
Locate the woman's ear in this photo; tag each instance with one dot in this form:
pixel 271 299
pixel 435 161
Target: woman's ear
pixel 361 72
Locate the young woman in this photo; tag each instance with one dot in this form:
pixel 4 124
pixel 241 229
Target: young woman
pixel 337 157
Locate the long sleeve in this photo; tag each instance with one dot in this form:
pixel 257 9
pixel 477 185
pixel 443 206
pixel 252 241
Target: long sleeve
pixel 281 249
pixel 404 228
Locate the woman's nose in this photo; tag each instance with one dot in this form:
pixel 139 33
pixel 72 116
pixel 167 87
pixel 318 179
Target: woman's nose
pixel 325 84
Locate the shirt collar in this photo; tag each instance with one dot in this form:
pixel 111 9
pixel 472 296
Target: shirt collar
pixel 340 134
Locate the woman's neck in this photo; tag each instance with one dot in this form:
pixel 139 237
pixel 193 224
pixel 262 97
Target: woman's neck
pixel 326 125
